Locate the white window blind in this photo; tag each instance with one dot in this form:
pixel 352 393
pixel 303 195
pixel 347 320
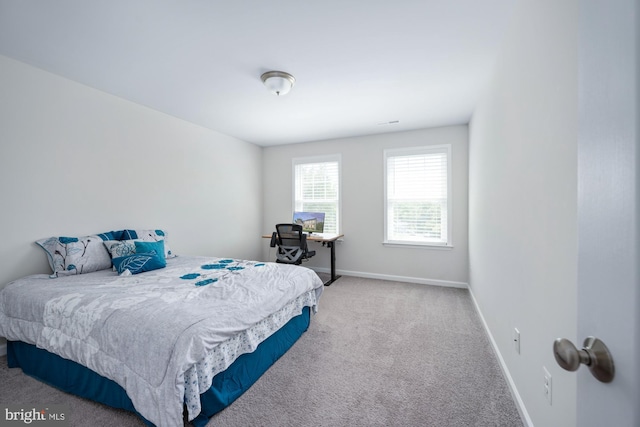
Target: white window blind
pixel 317 188
pixel 417 195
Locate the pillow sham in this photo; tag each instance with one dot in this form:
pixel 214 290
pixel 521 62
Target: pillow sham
pixel 150 236
pixel 120 248
pixel 139 263
pixel 75 255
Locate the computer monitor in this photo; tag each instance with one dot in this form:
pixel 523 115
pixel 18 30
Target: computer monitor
pixel 312 222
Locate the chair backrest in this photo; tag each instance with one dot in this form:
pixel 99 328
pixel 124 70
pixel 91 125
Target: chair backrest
pixel 291 242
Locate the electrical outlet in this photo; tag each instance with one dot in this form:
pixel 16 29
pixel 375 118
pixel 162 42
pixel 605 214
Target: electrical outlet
pixel 547 384
pixel 516 340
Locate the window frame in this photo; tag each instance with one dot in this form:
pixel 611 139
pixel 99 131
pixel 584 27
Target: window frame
pixel 426 149
pixel 329 158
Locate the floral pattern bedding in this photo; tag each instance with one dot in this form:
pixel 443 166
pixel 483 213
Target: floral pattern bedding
pixel 161 335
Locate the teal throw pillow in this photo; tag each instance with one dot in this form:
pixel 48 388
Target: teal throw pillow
pixel 139 263
pixel 158 247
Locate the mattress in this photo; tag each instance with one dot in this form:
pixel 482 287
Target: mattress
pixel 162 335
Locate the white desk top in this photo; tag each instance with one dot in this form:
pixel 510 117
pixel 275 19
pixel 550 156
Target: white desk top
pixel 316 237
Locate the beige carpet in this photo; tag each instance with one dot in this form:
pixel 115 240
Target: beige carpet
pixel 378 353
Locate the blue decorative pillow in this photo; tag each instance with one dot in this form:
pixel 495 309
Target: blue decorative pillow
pixel 150 236
pixel 124 248
pixel 75 255
pixel 142 246
pixel 112 235
pixel 139 263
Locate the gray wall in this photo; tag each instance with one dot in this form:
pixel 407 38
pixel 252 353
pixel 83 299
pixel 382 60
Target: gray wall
pixel 523 203
pixel 74 160
pixel 362 253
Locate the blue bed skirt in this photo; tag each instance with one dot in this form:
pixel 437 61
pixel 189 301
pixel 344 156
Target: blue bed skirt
pixel 227 386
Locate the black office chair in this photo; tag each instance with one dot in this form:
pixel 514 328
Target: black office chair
pixel 292 244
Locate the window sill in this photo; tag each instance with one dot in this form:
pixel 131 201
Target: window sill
pixel 418 246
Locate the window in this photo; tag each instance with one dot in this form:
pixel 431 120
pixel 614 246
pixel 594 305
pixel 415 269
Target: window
pixel 316 188
pixel 418 196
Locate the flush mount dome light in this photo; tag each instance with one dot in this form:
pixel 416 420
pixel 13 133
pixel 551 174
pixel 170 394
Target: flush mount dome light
pixel 278 82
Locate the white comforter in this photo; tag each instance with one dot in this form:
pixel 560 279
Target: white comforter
pixel 161 335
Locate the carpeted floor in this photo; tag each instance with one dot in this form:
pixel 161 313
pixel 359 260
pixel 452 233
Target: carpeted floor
pixel 378 353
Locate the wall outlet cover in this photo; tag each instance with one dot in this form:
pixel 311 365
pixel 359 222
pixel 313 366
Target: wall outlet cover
pixel 516 340
pixel 547 385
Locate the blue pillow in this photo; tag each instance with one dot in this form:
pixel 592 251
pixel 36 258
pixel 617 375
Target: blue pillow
pixel 139 262
pixel 112 235
pixel 157 247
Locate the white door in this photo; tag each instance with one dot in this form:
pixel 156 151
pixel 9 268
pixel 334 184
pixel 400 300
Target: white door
pixel 608 202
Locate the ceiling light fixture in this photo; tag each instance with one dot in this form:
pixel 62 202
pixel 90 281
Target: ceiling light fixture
pixel 278 82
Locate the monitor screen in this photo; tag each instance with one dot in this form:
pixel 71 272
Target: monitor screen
pixel 312 222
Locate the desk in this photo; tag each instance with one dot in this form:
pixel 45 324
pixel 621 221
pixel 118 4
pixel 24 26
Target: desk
pixel 330 241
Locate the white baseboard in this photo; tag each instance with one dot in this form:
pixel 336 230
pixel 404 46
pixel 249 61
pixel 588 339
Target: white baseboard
pixel 408 279
pixel 526 419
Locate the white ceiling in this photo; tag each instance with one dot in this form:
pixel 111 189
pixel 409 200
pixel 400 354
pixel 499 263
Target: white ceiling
pixel 359 64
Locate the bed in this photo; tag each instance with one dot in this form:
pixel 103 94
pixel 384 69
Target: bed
pixel 184 339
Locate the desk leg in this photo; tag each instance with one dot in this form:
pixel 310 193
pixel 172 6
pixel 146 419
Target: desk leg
pixel 332 245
